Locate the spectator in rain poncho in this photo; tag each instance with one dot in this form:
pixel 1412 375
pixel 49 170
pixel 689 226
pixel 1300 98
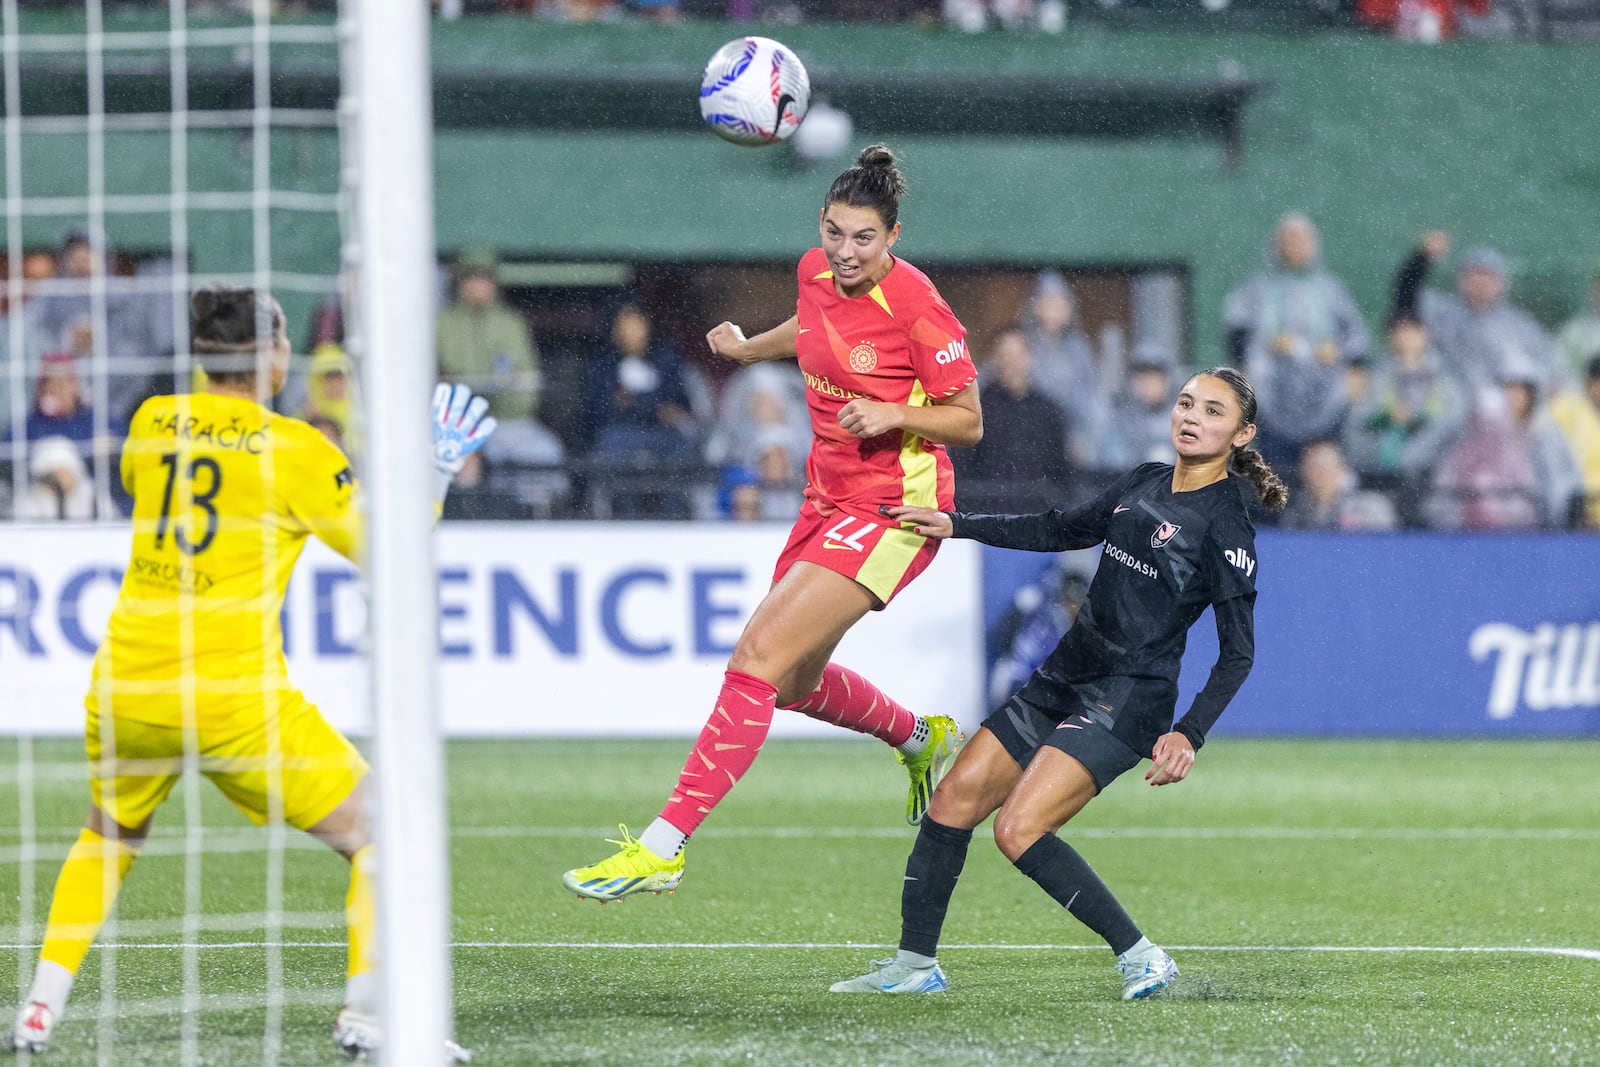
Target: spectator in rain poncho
pixel 1140 429
pixel 139 326
pixel 1510 468
pixel 759 398
pixel 1295 330
pixel 59 487
pixel 330 393
pixel 1412 411
pixel 1579 339
pixel 1065 367
pixel 1475 329
pixel 1331 498
pixel 1577 413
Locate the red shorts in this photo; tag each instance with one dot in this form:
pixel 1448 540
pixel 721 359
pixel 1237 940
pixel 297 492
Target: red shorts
pixel 883 559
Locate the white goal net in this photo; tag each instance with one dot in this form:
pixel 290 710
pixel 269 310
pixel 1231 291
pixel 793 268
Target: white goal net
pixel 151 149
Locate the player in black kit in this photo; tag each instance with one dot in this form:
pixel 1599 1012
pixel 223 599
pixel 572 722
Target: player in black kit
pixel 1178 539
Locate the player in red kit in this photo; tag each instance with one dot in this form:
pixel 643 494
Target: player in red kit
pixel 889 384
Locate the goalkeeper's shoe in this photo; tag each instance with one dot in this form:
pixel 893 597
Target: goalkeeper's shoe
pixel 892 977
pixel 1145 972
pixel 356 1033
pixel 929 765
pixel 358 1036
pixel 35 1023
pixel 634 869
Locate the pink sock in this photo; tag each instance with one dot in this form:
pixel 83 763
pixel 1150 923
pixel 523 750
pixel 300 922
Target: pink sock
pixel 846 699
pixel 725 749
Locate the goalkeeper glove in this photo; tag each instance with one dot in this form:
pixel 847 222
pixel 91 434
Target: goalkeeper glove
pixel 460 424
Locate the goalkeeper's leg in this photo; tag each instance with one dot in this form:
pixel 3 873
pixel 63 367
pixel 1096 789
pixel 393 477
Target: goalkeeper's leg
pixel 85 892
pixel 345 831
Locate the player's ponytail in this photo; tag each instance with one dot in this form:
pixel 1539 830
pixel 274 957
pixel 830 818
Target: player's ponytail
pixel 1247 462
pixel 875 181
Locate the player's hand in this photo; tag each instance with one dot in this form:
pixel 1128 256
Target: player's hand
pixel 1171 759
pixel 1436 245
pixel 929 523
pixel 727 340
pixel 869 418
pixel 460 424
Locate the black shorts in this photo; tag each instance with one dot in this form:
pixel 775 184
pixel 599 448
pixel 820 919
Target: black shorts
pixel 1024 729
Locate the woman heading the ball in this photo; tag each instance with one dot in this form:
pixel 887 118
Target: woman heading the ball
pixel 1178 539
pixel 889 384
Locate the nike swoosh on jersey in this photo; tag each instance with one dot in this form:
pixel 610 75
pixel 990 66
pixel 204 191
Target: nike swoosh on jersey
pixel 801 330
pixel 1119 509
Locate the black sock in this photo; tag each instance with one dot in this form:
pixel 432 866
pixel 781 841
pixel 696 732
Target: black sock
pixel 931 872
pixel 1062 873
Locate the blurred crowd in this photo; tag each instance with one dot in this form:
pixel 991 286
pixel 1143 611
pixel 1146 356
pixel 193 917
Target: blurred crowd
pixel 1460 411
pixel 1418 20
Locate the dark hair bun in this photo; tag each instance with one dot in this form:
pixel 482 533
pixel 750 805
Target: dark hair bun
pixel 876 155
pixel 224 319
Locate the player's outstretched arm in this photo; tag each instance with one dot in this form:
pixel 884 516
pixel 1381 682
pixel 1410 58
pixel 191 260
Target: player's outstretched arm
pixel 460 424
pixel 729 342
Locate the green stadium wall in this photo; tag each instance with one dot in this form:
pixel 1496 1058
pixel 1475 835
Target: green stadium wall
pixel 1377 139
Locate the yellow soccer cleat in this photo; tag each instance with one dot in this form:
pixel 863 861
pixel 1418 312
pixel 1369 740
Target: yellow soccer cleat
pixel 928 766
pixel 635 869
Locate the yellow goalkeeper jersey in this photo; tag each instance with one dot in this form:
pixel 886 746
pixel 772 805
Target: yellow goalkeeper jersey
pixel 225 493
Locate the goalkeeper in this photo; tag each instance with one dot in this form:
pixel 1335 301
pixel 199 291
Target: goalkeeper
pixel 225 494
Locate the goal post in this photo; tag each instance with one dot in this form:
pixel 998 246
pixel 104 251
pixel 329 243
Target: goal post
pixel 387 85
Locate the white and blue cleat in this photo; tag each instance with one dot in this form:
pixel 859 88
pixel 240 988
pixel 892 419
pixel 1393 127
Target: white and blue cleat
pixel 893 977
pixel 1146 972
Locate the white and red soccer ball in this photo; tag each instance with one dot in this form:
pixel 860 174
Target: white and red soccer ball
pixel 755 92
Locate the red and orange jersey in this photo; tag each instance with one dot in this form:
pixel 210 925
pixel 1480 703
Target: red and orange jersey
pixel 898 343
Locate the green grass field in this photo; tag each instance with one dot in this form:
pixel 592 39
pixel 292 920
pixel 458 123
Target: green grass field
pixel 1328 903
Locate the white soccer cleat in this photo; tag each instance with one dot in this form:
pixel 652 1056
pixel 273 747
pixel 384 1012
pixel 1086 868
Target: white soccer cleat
pixel 359 1037
pixel 356 1033
pixel 1145 972
pixel 893 977
pixel 35 1023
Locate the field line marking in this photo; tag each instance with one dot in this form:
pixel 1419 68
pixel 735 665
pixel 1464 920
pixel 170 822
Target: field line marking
pixel 1292 833
pixel 1524 950
pixel 1287 833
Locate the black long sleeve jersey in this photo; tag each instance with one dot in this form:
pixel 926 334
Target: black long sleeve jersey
pixel 1167 557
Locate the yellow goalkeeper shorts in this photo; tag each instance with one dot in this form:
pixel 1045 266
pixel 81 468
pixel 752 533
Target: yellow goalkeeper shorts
pixel 315 766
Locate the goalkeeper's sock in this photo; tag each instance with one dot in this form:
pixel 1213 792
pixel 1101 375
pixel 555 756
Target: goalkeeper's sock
pixel 725 749
pixel 1067 877
pixel 51 984
pixel 932 870
pixel 86 890
pixel 846 699
pixel 360 916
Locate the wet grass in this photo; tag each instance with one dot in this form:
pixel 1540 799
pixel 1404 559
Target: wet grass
pixel 1328 903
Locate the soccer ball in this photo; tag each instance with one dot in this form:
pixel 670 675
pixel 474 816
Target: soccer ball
pixel 755 92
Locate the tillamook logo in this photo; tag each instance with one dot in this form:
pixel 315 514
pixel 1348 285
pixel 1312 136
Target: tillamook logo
pixel 1548 667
